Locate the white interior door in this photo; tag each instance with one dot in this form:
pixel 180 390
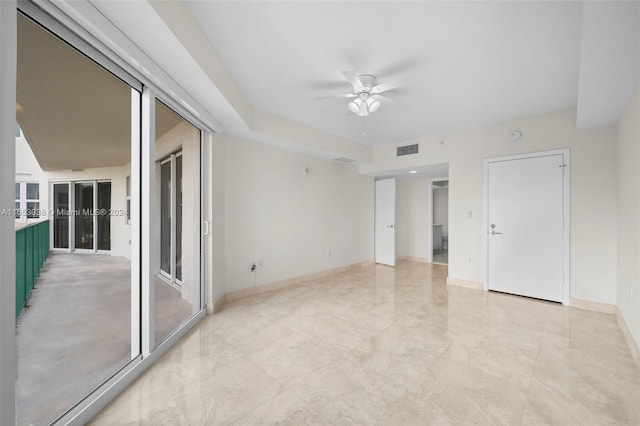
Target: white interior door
pixel 385 222
pixel 525 226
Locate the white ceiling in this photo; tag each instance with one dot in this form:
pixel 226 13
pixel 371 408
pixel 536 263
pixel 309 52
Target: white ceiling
pixel 459 64
pixel 256 66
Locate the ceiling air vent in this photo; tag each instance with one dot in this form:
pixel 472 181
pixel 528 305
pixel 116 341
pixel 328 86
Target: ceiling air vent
pixel 407 150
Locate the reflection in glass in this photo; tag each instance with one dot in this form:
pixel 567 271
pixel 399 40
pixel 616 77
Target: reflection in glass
pixel 76 333
pixel 177 281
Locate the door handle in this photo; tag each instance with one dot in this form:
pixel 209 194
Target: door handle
pixel 493 230
pixel 389 226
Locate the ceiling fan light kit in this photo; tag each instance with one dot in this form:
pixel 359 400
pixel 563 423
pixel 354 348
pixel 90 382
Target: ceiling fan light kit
pixel 364 87
pixel 364 104
pixel 363 100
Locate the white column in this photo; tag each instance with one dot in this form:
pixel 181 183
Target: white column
pixel 8 51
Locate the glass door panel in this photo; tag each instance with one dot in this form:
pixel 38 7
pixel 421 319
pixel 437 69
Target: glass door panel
pixel 84 215
pixel 83 323
pixel 178 224
pixel 61 215
pixel 177 284
pixel 104 217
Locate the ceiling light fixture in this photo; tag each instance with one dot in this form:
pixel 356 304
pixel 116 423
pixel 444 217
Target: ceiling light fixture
pixel 413 171
pixel 364 104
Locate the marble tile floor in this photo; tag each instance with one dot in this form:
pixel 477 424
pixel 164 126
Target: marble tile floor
pixel 389 346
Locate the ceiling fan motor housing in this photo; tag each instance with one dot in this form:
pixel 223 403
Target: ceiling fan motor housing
pixel 368 82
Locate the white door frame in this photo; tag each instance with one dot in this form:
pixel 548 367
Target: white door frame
pixel 566 290
pixel 430 217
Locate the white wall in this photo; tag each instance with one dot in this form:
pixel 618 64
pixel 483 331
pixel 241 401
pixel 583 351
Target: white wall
pixel 593 195
pixel 441 209
pixel 218 195
pixel 629 216
pixel 289 219
pixel 412 217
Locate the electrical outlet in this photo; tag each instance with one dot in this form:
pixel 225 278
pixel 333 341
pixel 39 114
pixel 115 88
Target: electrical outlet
pixel 469 259
pixel 328 253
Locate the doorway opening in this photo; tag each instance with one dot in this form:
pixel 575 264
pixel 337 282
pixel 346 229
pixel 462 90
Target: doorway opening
pixel 440 220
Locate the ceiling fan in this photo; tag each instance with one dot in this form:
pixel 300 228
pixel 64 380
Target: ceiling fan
pixel 365 96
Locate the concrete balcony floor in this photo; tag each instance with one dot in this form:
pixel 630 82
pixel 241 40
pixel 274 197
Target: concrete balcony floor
pixel 77 331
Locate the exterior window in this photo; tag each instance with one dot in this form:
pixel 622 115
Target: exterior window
pixel 27 201
pixel 33 200
pixel 17 213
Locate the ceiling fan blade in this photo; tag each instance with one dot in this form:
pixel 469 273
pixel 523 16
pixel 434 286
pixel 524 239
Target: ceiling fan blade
pixel 347 95
pixel 352 76
pixel 385 87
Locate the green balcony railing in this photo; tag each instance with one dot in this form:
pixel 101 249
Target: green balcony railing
pixel 32 248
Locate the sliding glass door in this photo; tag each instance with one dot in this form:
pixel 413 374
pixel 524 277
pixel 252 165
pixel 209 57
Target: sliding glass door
pixel 171 218
pixel 85 218
pixel 83 215
pixel 118 188
pixel 82 325
pixel 61 215
pixel 103 216
pixel 177 176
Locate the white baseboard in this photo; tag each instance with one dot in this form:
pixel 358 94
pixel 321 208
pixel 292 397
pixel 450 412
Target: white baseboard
pixel 233 295
pixel 633 346
pixel 464 283
pixel 217 305
pixel 589 305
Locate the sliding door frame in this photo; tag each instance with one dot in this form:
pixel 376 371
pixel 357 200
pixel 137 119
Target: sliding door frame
pixel 74 22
